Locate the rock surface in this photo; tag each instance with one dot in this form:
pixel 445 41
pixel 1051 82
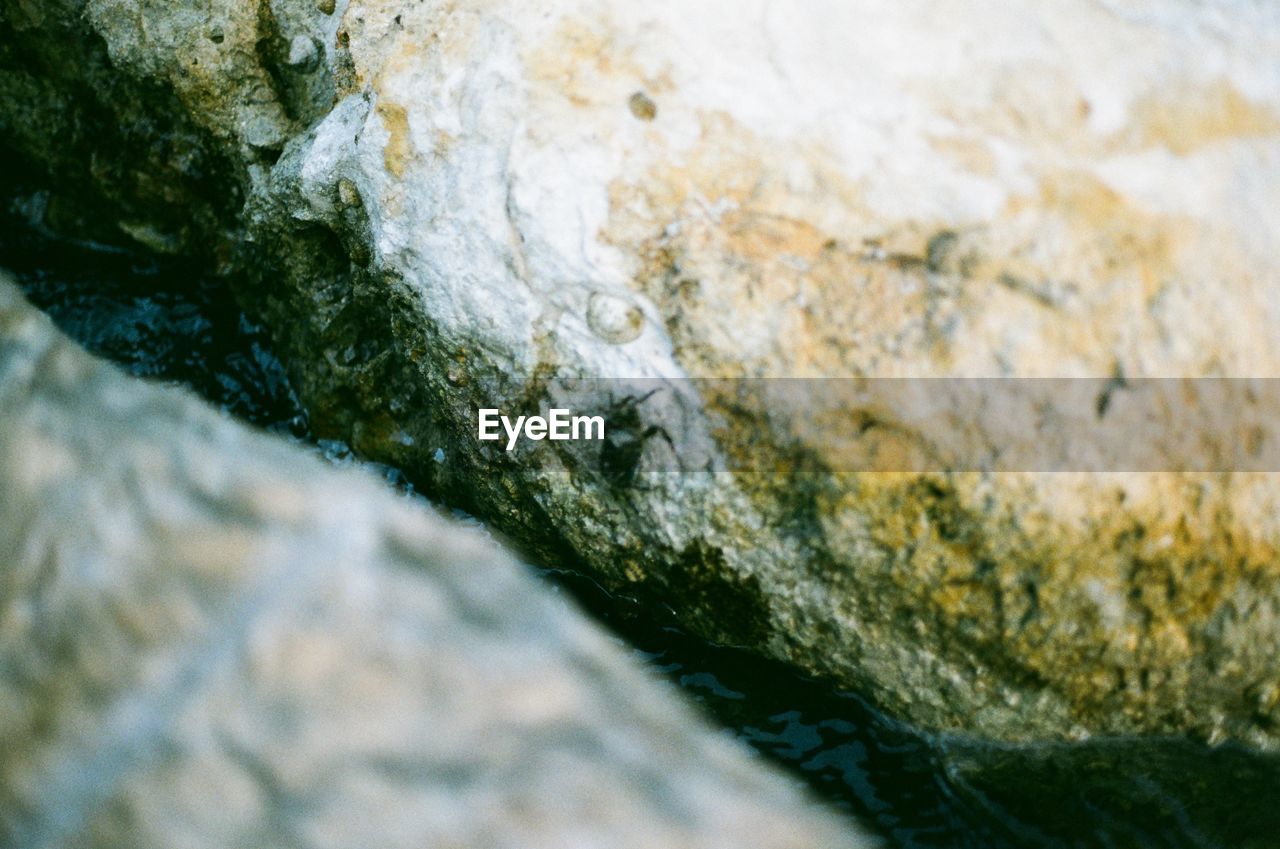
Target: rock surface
pixel 450 204
pixel 209 639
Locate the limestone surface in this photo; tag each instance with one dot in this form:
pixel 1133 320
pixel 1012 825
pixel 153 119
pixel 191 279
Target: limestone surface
pixel 459 205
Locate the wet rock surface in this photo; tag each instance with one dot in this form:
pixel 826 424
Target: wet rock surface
pixel 211 639
pixel 449 205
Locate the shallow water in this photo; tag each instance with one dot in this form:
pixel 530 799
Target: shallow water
pixel 851 755
pixel 157 317
pixel 161 318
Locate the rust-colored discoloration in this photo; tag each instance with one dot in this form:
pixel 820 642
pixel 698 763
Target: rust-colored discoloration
pixel 584 62
pixel 1104 237
pixel 1043 111
pixel 1187 119
pixel 721 219
pixel 398 151
pixel 970 152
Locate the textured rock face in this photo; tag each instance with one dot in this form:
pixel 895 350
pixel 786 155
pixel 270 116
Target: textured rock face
pixel 449 204
pixel 209 639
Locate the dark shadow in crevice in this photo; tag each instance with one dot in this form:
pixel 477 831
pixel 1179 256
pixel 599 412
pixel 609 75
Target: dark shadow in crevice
pixel 158 317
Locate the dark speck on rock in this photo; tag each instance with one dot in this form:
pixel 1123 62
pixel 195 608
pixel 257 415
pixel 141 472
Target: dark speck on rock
pixel 642 106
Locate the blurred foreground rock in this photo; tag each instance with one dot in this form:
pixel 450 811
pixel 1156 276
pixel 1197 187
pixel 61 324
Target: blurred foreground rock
pixel 447 205
pixel 208 639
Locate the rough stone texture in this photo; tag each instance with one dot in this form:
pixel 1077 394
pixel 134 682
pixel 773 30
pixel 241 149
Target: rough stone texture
pixel 209 639
pixel 459 201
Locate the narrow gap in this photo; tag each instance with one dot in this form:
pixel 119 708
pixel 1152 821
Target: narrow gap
pixel 167 318
pixel 164 318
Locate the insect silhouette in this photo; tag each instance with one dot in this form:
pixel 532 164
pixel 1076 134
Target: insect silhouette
pixel 624 441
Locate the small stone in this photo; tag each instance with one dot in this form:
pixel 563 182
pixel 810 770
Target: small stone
pixel 642 106
pixel 325 6
pixel 348 194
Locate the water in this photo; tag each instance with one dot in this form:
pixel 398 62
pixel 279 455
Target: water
pixel 157 317
pixel 164 319
pixel 849 754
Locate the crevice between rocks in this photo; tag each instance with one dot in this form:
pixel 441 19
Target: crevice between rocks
pixel 131 167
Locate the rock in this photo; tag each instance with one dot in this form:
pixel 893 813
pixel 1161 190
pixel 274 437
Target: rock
pixel 1184 792
pixel 208 638
pixel 463 204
